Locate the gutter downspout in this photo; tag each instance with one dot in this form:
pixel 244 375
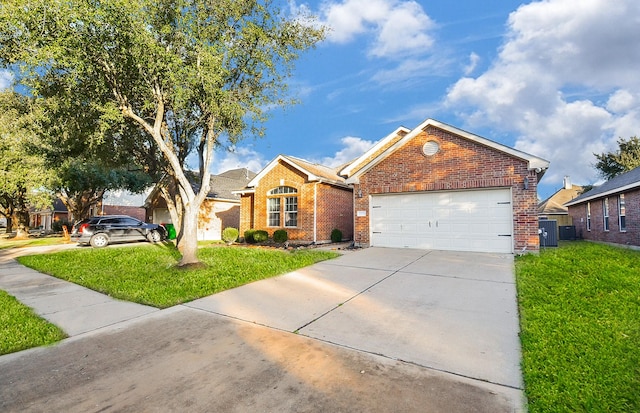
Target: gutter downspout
pixel 315 212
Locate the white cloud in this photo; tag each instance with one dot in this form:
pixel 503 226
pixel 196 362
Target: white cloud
pixel 6 78
pixel 238 157
pixel 474 59
pixel 399 28
pixel 353 147
pixel 553 47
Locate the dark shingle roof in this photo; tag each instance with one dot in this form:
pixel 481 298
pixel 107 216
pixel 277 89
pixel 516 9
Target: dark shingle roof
pixel 222 185
pixel 627 180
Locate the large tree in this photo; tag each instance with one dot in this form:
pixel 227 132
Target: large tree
pixel 187 72
pixel 23 175
pixel 623 159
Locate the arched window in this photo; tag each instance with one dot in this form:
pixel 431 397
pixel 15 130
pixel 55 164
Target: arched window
pixel 282 202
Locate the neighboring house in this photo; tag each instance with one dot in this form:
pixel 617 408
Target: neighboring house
pixel 221 208
pixel 306 199
pixel 43 219
pixel 609 212
pixel 553 208
pixel 433 187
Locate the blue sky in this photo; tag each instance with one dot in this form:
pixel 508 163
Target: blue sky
pixel 559 79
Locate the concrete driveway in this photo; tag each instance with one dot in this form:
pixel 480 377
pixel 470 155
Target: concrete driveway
pixel 377 330
pixel 451 311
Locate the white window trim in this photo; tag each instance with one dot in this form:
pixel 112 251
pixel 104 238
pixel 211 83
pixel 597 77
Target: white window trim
pixel 622 204
pixel 605 214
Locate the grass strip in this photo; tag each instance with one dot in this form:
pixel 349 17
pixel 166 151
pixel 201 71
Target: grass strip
pixel 147 274
pixel 21 328
pixel 580 328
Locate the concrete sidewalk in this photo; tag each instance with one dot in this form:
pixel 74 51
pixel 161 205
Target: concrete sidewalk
pixel 75 309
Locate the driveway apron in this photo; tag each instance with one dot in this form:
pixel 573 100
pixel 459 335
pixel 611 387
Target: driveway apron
pixel 454 312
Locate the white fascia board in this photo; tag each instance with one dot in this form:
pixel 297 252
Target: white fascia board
pixel 244 191
pixel 605 194
pixel 254 182
pixel 534 162
pixel 346 171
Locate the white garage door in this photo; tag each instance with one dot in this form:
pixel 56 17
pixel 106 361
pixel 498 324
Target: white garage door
pixel 473 220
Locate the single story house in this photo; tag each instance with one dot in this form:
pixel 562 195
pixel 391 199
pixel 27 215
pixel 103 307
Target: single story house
pixel 220 209
pixel 609 212
pixel 433 187
pixel 43 219
pixel 308 200
pixel 553 208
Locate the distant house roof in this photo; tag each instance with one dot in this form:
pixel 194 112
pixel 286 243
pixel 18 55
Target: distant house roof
pixel 554 205
pixel 621 183
pixel 222 185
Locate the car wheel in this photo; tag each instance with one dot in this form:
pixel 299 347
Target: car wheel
pixel 154 236
pixel 99 240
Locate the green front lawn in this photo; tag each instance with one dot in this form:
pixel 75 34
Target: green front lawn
pixel 6 243
pixel 580 322
pixel 21 329
pixel 147 274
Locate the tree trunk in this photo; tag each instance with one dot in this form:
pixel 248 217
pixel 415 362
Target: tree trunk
pixel 188 243
pixel 22 227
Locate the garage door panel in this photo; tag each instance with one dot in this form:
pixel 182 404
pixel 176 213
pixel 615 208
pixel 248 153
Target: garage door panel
pixel 477 220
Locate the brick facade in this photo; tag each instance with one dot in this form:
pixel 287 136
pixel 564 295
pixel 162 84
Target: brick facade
pixel 321 206
pixel 630 236
pixel 459 164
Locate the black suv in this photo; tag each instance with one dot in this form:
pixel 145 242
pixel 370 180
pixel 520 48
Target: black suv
pixel 104 230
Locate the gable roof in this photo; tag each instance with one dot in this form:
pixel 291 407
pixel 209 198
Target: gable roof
pixel 382 145
pixel 392 142
pixel 222 186
pixel 313 171
pixel 621 183
pixel 555 203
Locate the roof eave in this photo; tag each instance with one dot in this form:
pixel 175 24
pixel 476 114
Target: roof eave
pixel 598 195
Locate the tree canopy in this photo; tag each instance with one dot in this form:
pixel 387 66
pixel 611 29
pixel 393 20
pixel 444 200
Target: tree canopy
pixel 23 175
pixel 186 72
pixel 623 159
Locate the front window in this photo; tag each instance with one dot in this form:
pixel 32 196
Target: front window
pixel 273 209
pixel 588 216
pixel 605 213
pixel 278 198
pixel 622 218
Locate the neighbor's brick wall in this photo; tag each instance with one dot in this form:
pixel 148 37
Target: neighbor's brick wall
pixel 460 164
pixel 337 206
pixel 597 233
pixel 136 212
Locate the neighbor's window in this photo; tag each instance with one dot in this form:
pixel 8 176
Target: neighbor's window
pixel 622 219
pixel 277 198
pixel 605 213
pixel 588 216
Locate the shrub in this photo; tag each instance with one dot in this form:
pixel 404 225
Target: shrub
pixel 248 236
pixel 57 225
pixel 336 235
pixel 260 235
pixel 280 236
pixel 230 235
